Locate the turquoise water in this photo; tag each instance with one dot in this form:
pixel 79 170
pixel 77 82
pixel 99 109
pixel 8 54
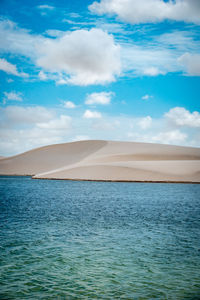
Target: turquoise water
pixel 96 240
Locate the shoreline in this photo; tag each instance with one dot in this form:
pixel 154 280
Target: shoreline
pixel 126 181
pixel 103 180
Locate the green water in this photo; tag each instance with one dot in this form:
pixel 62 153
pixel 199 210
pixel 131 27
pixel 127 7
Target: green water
pixel 95 240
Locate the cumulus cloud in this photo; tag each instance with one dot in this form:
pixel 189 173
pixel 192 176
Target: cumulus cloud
pixel 149 11
pixel 80 57
pixel 191 63
pixel 69 104
pixel 83 56
pixel 62 122
pixel 102 98
pixel 170 137
pixel 89 114
pixel 27 115
pixel 23 128
pixel 12 96
pixel 13 141
pixel 153 71
pixel 145 122
pixel 10 68
pixel 180 116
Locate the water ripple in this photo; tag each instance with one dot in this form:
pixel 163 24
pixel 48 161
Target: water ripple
pixel 90 240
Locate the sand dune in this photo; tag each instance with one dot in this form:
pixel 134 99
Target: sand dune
pixel 107 160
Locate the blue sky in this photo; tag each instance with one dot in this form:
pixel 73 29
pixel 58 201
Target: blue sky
pixel 107 69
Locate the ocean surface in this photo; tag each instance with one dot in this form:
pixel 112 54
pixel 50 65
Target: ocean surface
pixel 98 240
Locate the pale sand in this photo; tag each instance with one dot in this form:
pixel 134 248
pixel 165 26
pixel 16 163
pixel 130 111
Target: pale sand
pixel 106 160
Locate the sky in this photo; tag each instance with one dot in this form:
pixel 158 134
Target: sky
pixel 123 70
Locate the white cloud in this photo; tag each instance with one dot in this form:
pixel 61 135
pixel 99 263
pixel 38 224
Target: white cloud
pixel 179 39
pixel 80 138
pixel 153 71
pixel 152 11
pixel 74 15
pixel 180 116
pixel 79 57
pixel 17 40
pixel 27 115
pixel 147 97
pixel 42 76
pixel 54 32
pixel 89 114
pixel 173 137
pixel 12 96
pixel 9 80
pixel 10 68
pixel 62 122
pixel 191 63
pixel 145 122
pixel 83 56
pixel 148 59
pixel 24 128
pixel 46 7
pixel 105 125
pixel 161 54
pixel 20 140
pixel 170 137
pixel 103 98
pixel 112 27
pixel 69 104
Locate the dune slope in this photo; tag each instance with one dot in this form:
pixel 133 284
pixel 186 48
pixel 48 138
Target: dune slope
pixel 48 158
pixel 107 160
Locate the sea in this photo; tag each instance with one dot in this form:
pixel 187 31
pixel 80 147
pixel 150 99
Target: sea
pixel 98 240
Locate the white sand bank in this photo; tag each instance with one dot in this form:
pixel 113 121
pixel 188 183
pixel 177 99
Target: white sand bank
pixel 106 160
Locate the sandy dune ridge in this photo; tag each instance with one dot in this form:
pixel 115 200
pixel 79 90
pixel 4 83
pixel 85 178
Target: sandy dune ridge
pixel 107 160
